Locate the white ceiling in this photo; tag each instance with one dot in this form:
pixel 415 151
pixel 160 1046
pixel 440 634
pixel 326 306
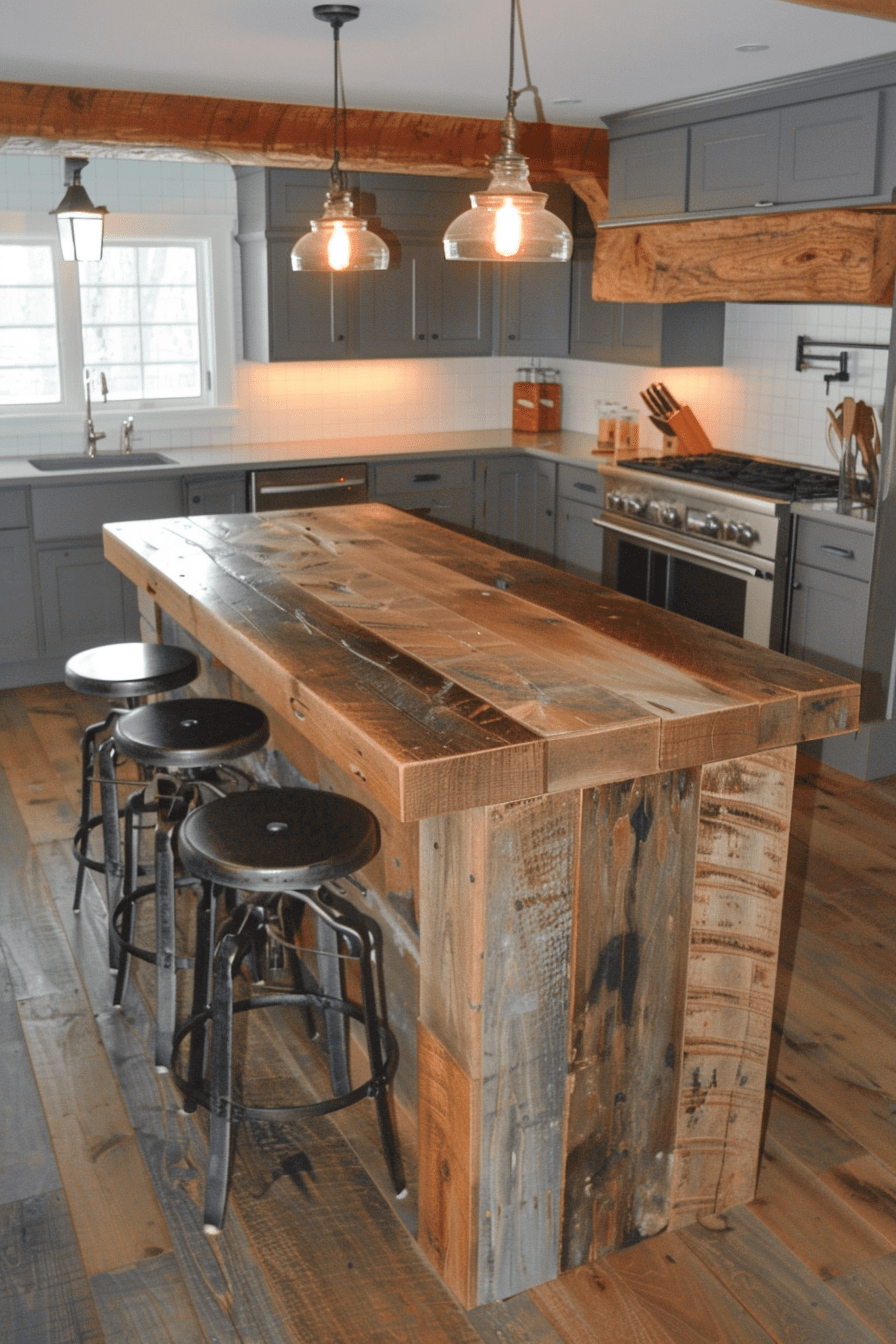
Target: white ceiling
pixel 442 56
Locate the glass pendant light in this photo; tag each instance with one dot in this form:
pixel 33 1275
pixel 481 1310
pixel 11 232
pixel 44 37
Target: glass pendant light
pixel 508 221
pixel 339 240
pixel 80 222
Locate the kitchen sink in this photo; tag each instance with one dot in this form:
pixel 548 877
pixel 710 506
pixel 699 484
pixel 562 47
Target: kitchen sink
pixel 102 462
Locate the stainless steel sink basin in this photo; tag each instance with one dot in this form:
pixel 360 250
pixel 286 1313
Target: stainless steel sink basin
pixel 102 462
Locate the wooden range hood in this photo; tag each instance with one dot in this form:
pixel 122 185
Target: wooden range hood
pixel 808 256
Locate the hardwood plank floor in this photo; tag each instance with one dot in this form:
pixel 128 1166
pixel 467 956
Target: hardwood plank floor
pixel 101 1175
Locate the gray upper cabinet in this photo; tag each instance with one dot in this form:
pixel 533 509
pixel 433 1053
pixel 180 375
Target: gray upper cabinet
pixel 648 174
pixel 804 150
pixel 287 315
pixel 829 148
pixel 671 335
pixel 534 301
pixel 734 161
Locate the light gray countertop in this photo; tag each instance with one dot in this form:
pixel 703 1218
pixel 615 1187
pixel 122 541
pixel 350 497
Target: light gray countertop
pixel 567 445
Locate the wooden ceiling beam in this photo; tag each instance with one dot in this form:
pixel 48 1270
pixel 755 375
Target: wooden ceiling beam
pixel 813 256
pixel 284 135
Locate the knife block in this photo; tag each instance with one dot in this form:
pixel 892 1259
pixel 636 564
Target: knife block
pixel 692 438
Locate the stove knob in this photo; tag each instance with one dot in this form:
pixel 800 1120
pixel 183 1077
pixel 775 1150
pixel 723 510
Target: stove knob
pixel 654 511
pixel 732 530
pixel 614 500
pixel 670 516
pixel 633 504
pixel 746 536
pixel 710 525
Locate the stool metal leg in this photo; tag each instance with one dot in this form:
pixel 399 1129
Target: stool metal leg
pixel 220 1085
pixel 136 806
pixel 82 835
pixel 202 988
pixel 114 870
pixel 335 1024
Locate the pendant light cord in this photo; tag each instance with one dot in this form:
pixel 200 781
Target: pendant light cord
pixel 511 96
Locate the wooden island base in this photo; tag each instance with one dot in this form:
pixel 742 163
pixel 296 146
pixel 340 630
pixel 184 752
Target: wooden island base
pixel 584 804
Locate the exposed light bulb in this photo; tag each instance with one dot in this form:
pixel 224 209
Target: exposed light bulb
pixel 508 230
pixel 338 248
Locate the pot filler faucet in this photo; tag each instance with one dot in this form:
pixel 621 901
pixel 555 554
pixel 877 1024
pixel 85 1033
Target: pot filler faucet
pixel 94 435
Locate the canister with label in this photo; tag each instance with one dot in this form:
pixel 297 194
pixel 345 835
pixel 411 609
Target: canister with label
pixel 526 393
pixel 549 400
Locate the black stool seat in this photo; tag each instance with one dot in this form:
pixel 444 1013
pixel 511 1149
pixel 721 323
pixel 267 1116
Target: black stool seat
pixel 284 848
pixel 274 840
pixel 129 671
pixel 190 734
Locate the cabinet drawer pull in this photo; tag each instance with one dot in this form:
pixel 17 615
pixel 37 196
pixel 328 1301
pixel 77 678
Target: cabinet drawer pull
pixel 762 205
pixel 840 551
pixel 585 485
pixel 423 476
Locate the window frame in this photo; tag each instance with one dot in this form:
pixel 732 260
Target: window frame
pixel 212 235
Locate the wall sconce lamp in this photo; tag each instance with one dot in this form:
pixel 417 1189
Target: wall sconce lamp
pixel 80 221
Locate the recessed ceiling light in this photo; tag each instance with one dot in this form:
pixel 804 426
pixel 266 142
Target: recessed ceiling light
pixel 752 46
pixel 560 102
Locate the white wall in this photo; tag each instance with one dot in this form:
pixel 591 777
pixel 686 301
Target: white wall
pixel 757 403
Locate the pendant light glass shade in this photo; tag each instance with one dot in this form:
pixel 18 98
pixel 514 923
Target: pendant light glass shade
pixel 508 221
pixel 339 240
pixel 80 222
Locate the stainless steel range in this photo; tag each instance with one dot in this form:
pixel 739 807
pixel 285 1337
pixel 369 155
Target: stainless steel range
pixel 708 537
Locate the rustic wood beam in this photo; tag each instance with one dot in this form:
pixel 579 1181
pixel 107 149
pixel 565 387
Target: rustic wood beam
pixel 817 256
pixel 869 9
pixel 287 135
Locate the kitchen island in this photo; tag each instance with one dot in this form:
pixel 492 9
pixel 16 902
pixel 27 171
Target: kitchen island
pixel 585 807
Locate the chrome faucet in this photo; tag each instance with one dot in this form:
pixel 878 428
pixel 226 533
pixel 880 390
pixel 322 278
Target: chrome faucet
pixel 127 429
pixel 94 435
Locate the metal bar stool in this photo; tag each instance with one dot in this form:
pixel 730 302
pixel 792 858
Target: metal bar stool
pixel 281 847
pixel 187 746
pixel 128 672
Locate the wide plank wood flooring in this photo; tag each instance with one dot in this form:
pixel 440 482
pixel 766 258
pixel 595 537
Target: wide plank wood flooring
pixel 101 1175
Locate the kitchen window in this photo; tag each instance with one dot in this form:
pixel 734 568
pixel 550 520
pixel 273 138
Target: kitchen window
pixel 140 322
pixel 154 317
pixel 29 342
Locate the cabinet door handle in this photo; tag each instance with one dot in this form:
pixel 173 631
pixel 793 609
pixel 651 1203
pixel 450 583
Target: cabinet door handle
pixel 434 336
pixel 797 585
pixel 840 551
pixel 511 338
pixel 762 205
pixel 584 485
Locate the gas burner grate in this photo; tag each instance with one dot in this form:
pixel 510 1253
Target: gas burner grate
pixel 772 480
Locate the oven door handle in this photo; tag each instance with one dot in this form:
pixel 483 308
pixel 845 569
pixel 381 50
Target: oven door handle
pixel 663 544
pixel 306 488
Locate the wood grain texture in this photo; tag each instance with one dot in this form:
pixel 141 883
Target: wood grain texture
pixel 817 256
pixel 630 958
pixel 784 1297
pixel 657 1292
pixel 32 1172
pixel 517 1321
pixel 44 1294
pixel 870 1292
pixel 829 1236
pixel 149 1303
pixel 449 1123
pixel 738 890
pixel 292 135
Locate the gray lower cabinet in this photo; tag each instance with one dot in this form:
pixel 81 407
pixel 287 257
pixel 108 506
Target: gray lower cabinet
pixel 18 622
pixel 437 488
pixel 829 600
pixel 215 494
pixel 83 599
pixel 579 544
pixel 519 502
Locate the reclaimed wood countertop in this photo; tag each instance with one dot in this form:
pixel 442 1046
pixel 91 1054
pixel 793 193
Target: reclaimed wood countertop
pixel 447 674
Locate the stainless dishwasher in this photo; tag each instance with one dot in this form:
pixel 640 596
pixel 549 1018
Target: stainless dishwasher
pixel 307 487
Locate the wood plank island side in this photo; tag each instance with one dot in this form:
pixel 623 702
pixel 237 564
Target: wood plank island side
pixel 586 948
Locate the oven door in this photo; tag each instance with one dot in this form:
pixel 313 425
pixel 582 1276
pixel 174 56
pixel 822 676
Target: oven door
pixel 691 578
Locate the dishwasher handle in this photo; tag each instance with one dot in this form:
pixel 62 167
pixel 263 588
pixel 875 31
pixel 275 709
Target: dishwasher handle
pixel 309 487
